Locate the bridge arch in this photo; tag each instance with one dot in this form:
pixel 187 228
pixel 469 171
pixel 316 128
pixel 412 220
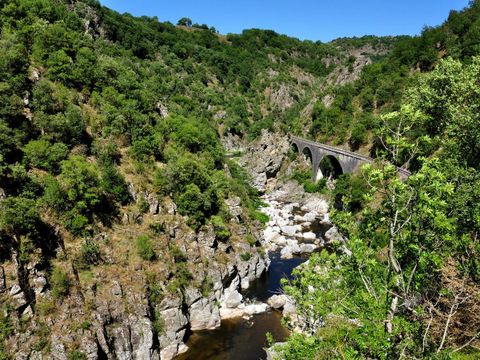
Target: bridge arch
pixel 329 166
pixel 308 153
pixel 343 161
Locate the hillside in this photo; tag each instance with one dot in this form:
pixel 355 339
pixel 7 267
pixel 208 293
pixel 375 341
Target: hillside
pixel 122 211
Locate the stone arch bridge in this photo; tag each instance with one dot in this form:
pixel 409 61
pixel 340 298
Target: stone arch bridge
pixel 342 160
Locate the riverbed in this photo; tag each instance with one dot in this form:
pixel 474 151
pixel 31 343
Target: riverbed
pixel 241 339
pixel 246 339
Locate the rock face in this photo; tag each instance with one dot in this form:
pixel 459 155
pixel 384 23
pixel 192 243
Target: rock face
pixel 265 157
pixel 280 98
pixel 121 320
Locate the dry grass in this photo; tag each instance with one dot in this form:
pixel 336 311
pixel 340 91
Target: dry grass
pixel 455 315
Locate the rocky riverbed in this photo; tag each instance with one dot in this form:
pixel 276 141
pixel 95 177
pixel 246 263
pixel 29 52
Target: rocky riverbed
pixel 299 225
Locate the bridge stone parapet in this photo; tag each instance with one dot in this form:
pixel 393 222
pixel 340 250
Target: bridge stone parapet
pixel 347 161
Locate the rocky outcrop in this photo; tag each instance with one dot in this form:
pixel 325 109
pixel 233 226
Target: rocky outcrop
pixel 233 143
pixel 115 317
pixel 281 98
pixel 265 157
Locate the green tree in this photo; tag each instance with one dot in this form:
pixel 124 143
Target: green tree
pixel 45 155
pixel 185 21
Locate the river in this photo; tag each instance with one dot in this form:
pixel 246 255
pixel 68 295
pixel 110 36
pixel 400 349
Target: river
pixel 241 339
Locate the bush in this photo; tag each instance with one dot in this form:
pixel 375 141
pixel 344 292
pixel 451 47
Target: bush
pixel 158 323
pixel 182 278
pixel 77 224
pixel 89 254
pixel 76 355
pixel 6 326
pixel 177 254
pixel 60 283
pixel 44 155
pixel 350 190
pixel 245 256
pixel 317 187
pixel 113 183
pixel 144 248
pixel 221 230
pixel 6 329
pixel 358 137
pixel 305 179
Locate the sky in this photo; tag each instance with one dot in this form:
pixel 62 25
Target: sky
pixel 323 20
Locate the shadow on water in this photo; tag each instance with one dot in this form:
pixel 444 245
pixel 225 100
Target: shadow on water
pixel 270 283
pixel 237 339
pixel 240 339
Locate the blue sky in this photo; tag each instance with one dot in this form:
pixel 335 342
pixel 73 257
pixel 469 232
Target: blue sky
pixel 305 19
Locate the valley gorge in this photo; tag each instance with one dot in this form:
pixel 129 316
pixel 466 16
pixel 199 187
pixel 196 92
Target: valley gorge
pixel 239 287
pixel 171 192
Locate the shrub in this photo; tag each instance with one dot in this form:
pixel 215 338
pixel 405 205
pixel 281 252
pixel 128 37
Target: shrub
pixel 6 326
pixel 350 191
pixel 182 278
pixel 259 216
pixel 157 228
pixel 358 137
pixel 45 307
pixel 158 323
pixel 144 248
pixel 113 183
pixel 305 178
pixel 89 253
pixel 77 224
pixel 221 230
pixel 177 254
pixel 44 155
pixel 76 355
pixel 60 283
pixel 245 256
pixel 207 286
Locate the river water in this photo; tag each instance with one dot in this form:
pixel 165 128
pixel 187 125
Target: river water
pixel 240 339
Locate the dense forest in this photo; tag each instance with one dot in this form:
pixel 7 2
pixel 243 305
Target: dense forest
pixel 93 103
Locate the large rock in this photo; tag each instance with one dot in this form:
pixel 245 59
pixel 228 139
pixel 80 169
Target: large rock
pixel 204 315
pixel 233 300
pixel 291 230
pixel 234 207
pixel 265 157
pixel 307 248
pixel 153 203
pixel 257 308
pixel 142 339
pixel 332 235
pixel 277 301
pixel 175 326
pixel 309 236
